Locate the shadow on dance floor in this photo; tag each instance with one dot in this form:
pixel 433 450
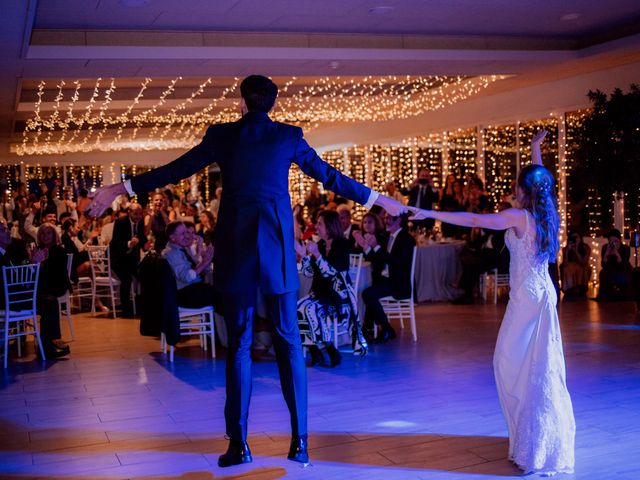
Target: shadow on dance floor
pixel 51 447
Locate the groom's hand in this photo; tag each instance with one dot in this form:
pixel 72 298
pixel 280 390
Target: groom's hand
pixel 102 198
pixel 391 206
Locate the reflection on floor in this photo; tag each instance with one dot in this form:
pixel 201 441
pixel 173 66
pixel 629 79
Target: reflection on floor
pixel 428 410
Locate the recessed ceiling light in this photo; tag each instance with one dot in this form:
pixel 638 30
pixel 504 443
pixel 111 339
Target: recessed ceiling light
pixel 570 16
pixel 135 3
pixel 381 10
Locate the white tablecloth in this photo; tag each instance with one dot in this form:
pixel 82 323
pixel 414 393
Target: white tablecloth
pixel 437 267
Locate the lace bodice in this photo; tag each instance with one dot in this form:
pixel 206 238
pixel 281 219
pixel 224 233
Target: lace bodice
pixel 528 274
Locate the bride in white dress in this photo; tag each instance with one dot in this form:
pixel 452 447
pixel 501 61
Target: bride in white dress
pixel 528 360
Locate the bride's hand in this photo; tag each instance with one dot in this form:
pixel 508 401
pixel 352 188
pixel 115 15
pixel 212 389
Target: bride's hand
pixel 418 213
pixel 539 137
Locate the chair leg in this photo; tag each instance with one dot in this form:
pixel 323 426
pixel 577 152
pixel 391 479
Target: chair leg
pixel 67 313
pixel 19 339
pixel 495 289
pixel 212 329
pixel 94 292
pixel 171 349
pixel 36 329
pixel 113 299
pixel 412 314
pixel 202 319
pixel 6 343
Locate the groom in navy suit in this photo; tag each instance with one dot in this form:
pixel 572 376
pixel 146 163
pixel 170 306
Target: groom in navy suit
pixel 254 245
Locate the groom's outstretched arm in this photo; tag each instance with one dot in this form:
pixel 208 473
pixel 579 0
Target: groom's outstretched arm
pixel 314 166
pixel 184 166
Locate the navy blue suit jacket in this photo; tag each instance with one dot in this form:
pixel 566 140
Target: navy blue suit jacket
pixel 254 233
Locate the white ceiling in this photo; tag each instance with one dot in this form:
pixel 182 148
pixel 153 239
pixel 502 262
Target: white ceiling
pixel 86 39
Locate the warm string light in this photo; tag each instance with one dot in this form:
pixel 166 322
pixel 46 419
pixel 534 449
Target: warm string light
pixel 327 100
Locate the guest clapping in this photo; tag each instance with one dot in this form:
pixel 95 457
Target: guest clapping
pixel 189 270
pixel 332 297
pixel 206 228
pixel 393 261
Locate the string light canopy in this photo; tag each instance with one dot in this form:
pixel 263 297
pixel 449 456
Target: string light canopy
pixel 171 121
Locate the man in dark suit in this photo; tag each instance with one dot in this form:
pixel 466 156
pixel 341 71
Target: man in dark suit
pixel 344 214
pixel 254 245
pixel 423 194
pixel 392 265
pixel 126 244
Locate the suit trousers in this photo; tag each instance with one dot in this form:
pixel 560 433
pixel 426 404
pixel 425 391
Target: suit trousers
pixel 374 313
pixel 239 312
pixel 125 273
pixel 49 311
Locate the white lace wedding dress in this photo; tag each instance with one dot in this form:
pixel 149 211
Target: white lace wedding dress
pixel 529 365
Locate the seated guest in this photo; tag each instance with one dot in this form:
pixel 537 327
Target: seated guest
pixel 125 248
pixel 332 296
pixel 615 276
pixel 193 292
pixel 575 266
pixel 393 261
pixel 348 228
pixel 484 252
pixel 371 224
pixel 81 266
pixel 206 228
pixel 53 282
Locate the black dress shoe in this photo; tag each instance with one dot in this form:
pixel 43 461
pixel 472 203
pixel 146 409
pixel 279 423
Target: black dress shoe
pixel 51 352
pixel 334 355
pixel 298 450
pixel 464 300
pixel 237 453
pixel 316 355
pixel 386 335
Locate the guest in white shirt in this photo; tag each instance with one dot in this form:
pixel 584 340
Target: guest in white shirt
pixel 189 271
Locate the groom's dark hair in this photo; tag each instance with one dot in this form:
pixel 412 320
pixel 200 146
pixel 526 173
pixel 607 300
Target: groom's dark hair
pixel 259 93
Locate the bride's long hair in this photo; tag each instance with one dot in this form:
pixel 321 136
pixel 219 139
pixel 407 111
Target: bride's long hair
pixel 537 195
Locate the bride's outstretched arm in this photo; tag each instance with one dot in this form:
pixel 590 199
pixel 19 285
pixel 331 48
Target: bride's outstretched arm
pixel 512 217
pixel 536 156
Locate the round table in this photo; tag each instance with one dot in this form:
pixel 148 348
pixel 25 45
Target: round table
pixel 437 268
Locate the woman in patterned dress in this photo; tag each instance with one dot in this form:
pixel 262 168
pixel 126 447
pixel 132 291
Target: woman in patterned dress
pixel 332 296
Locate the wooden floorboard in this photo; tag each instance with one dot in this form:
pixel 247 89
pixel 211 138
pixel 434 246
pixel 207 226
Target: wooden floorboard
pixel 117 409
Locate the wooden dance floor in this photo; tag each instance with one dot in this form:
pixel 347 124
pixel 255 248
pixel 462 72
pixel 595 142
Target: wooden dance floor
pixel 117 409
